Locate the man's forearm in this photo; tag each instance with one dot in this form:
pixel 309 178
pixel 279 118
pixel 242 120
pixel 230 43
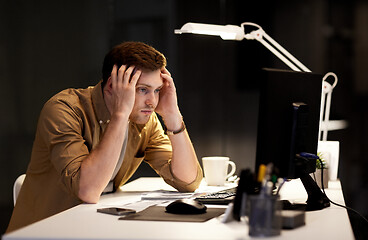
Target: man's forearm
pixel 184 163
pixel 98 167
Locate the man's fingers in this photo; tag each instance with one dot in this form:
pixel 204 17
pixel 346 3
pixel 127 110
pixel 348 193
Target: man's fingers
pixel 166 75
pixel 168 81
pixel 114 69
pixel 121 73
pixel 135 77
pixel 114 77
pixel 165 71
pixel 127 74
pixel 124 76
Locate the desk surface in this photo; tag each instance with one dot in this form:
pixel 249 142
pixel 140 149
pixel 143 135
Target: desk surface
pixel 83 222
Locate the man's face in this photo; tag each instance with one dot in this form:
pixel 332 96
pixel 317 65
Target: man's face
pixel 147 96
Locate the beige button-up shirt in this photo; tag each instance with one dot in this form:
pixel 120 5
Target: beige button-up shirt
pixel 71 124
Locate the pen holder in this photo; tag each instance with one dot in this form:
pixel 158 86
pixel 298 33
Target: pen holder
pixel 264 215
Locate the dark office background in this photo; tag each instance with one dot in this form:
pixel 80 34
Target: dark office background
pixel 47 46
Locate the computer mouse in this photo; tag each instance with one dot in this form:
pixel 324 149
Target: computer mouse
pixel 186 206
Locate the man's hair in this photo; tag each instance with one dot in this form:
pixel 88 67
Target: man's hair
pixel 138 54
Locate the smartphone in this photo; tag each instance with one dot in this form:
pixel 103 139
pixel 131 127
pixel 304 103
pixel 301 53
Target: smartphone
pixel 116 211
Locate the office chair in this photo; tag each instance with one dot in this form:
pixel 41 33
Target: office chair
pixel 17 185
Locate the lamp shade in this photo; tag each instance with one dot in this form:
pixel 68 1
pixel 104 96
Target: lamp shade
pixel 226 32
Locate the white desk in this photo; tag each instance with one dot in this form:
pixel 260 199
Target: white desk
pixel 83 222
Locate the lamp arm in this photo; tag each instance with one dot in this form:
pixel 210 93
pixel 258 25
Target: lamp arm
pixel 279 55
pixel 326 104
pixel 261 36
pixel 274 47
pixel 286 53
pixel 322 109
pixel 327 116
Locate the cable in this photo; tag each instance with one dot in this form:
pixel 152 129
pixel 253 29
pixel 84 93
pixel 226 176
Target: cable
pixel 340 205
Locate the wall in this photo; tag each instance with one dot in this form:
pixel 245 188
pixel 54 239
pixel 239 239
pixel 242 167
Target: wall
pixel 47 46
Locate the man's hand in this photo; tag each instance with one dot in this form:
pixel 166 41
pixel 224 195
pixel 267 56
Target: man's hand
pixel 168 104
pixel 121 95
pixel 98 167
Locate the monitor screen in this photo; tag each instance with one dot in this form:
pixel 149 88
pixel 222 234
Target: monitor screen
pixel 288 119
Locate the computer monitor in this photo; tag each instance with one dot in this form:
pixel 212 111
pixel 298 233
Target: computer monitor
pixel 288 124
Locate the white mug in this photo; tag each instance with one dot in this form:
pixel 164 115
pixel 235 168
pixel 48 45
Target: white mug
pixel 216 170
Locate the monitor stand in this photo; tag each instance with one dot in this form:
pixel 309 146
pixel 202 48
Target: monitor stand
pixel 317 200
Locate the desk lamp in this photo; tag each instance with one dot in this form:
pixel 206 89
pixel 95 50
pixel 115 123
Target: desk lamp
pixel 233 32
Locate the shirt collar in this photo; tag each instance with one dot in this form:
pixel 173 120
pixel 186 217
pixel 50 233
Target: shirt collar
pixel 99 105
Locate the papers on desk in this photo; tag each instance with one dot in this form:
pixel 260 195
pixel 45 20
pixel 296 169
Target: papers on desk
pixel 174 195
pixel 137 206
pixel 165 195
pixel 142 205
pixel 152 198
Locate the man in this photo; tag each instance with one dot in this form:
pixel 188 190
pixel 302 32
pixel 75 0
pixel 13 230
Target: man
pixel 91 141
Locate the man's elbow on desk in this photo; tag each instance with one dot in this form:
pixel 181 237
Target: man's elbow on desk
pixel 88 195
pixel 188 187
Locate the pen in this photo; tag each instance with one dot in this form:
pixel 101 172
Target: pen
pixel 269 170
pixel 281 182
pixel 261 173
pixel 268 188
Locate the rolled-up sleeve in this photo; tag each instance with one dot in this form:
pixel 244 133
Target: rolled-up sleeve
pixel 63 132
pixel 159 153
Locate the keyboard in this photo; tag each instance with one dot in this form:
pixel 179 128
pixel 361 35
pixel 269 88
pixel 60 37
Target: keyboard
pixel 221 197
